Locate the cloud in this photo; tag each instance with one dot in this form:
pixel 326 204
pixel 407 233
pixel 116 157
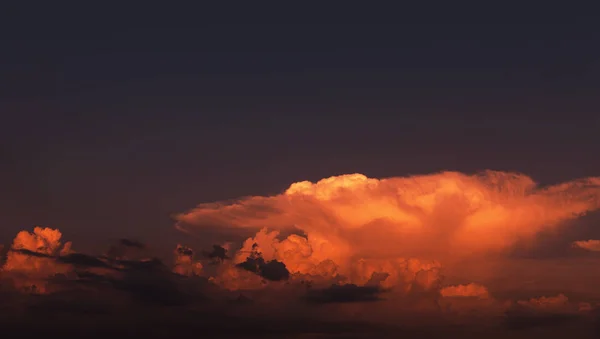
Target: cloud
pixel 124 248
pixel 132 243
pixel 218 253
pixel 546 311
pixel 82 260
pixel 30 259
pixel 185 264
pixel 468 290
pixel 589 245
pixel 553 303
pixel 352 226
pixel 407 255
pixel 271 270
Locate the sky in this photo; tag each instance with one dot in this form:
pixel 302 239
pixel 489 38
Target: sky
pixel 124 130
pixel 111 128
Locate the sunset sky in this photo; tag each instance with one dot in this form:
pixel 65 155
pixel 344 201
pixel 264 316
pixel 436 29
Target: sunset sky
pixel 470 147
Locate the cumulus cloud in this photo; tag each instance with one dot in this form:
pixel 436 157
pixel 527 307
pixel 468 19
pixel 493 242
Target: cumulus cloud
pixel 344 251
pixel 30 259
pixel 352 226
pixel 185 263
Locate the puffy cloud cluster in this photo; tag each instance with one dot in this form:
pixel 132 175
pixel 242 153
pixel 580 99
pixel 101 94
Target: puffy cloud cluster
pixel 343 248
pixel 185 263
pixel 30 259
pixel 400 231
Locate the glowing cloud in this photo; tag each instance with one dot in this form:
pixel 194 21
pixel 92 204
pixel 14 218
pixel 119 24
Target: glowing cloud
pixel 469 290
pixel 590 245
pixel 30 270
pixel 358 228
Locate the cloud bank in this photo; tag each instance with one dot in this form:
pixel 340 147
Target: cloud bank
pixel 348 253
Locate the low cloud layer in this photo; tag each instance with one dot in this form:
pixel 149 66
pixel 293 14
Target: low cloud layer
pixel 391 256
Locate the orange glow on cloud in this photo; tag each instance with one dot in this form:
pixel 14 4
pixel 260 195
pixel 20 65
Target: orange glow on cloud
pixel 30 272
pixel 359 228
pixel 590 245
pixel 469 290
pixel 395 250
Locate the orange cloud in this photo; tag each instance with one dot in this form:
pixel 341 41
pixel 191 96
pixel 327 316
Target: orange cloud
pixel 356 227
pixel 590 245
pixel 468 290
pixel 30 271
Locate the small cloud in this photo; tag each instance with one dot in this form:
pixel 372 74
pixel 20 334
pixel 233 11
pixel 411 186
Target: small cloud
pixel 469 290
pixel 543 311
pixel 185 263
pixel 273 270
pixel 31 259
pixel 588 245
pixel 218 253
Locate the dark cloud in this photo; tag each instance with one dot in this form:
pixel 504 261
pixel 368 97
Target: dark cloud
pixel 152 301
pixel 125 247
pixel 273 270
pixel 147 281
pixel 218 253
pixel 185 251
pixel 148 265
pixel 91 278
pixel 82 260
pixel 25 251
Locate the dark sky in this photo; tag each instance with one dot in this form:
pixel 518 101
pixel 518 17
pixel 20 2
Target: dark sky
pixel 108 129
